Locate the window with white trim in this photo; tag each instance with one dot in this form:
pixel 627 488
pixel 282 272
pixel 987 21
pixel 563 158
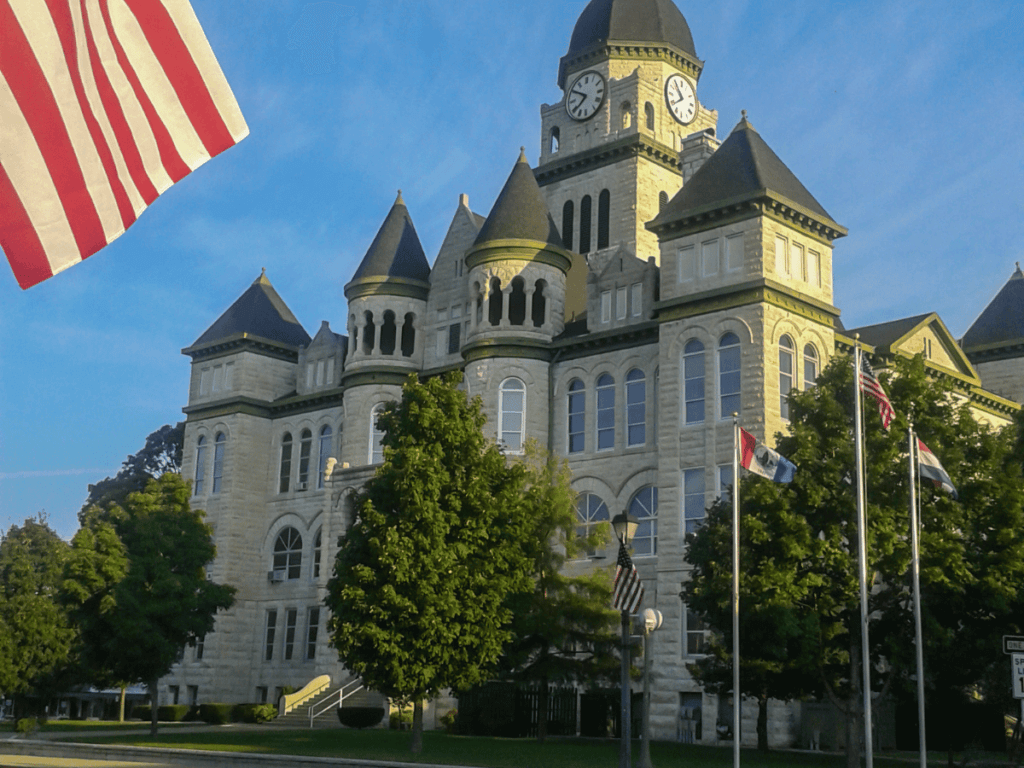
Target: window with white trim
pixel 288 553
pixel 694 505
pixel 644 507
pixel 317 547
pixel 606 306
pixel 605 412
pixel 291 620
pixel 305 451
pixel 198 489
pixel 286 462
pixel 620 303
pixel 695 634
pixel 376 435
pixel 810 366
pixel 219 445
pixel 269 635
pixel 785 374
pixel 512 415
pixel 591 511
pixel 724 480
pixel 636 408
pixel 693 382
pixel 312 630
pixel 577 406
pixel 326 439
pixel 687 261
pixel 729 379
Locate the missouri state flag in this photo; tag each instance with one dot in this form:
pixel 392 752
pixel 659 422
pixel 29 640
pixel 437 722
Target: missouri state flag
pixel 763 461
pixel 930 469
pixel 104 104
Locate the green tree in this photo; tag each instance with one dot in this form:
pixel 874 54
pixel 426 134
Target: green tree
pixel 563 629
pixel 161 454
pixel 134 627
pixel 34 627
pixel 798 550
pixel 419 595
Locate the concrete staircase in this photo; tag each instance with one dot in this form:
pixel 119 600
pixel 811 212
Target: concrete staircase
pixel 299 717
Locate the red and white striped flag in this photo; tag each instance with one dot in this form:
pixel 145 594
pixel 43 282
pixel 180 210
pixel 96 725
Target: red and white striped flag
pixel 104 104
pixel 869 386
pixel 628 590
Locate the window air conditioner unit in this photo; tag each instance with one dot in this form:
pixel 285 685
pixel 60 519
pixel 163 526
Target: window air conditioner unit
pixel 301 486
pixel 276 576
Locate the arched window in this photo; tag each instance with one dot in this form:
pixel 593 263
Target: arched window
pixel 626 110
pixel 649 115
pixel 568 219
pixel 511 415
pixel 729 375
pixel 387 334
pixel 376 435
pixel 325 453
pixel 577 416
pixel 605 412
pixel 408 335
pixel 495 301
pixel 288 553
pixel 585 205
pixel 517 302
pixel 540 301
pixel 286 462
pixel 785 374
pixel 317 546
pixel 662 201
pixel 693 382
pixel 556 136
pixel 305 450
pixel 604 205
pixel 369 333
pixel 591 511
pixel 219 444
pixel 197 489
pixel 636 408
pixel 810 366
pixel 644 507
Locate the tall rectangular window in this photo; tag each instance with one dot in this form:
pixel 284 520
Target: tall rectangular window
pixel 268 643
pixel 219 444
pixel 620 303
pixel 725 482
pixel 577 402
pixel 693 381
pixel 606 306
pixel 218 378
pixel 291 619
pixel 734 253
pixel 204 381
pixel 687 264
pixel 636 408
pixel 709 258
pixel 781 256
pixel 636 300
pixel 286 462
pixel 229 369
pixel 330 371
pixel 696 634
pixel 605 412
pixel 319 373
pixel 200 648
pixel 305 450
pixel 200 466
pixel 312 630
pixel 814 269
pixel 796 262
pixel 693 499
pixel 310 368
pixel 454 341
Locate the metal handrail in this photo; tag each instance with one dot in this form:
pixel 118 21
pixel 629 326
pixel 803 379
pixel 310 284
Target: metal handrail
pixel 335 698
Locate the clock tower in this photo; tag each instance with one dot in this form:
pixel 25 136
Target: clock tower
pixel 629 130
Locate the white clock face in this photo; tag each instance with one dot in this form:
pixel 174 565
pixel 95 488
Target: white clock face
pixel 585 95
pixel 681 100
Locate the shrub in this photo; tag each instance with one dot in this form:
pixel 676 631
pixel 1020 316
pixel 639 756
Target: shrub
pixel 193 714
pixel 172 713
pixel 360 717
pixel 215 714
pixel 26 726
pixel 253 713
pixel 142 711
pixel 448 720
pixel 401 719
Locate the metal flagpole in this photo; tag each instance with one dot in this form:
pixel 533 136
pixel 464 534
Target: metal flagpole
pixel 737 700
pixel 862 540
pixel 915 569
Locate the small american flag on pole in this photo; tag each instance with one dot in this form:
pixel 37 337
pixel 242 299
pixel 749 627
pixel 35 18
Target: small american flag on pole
pixel 869 386
pixel 629 590
pixel 104 104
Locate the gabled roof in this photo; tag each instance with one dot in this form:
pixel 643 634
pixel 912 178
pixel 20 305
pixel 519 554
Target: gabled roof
pixel 396 251
pixel 520 212
pixel 259 312
pixel 905 337
pixel 1002 321
pixel 888 333
pixel 743 169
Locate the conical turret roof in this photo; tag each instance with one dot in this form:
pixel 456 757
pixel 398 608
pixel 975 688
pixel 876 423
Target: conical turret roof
pixel 1002 321
pixel 396 251
pixel 259 312
pixel 520 212
pixel 744 168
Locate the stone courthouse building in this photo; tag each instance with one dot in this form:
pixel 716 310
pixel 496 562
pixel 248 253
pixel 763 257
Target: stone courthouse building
pixel 652 274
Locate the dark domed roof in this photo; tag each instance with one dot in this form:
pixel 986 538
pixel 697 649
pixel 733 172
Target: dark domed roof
pixel 631 21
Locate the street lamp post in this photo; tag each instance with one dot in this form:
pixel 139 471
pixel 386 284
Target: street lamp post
pixel 625 525
pixel 652 621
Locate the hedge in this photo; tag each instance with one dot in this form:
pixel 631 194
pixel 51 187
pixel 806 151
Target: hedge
pixel 172 713
pixel 253 713
pixel 215 714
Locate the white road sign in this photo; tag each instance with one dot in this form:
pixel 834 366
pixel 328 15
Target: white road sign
pixel 1017 668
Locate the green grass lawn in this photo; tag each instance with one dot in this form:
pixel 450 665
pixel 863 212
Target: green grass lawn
pixel 479 751
pixel 85 726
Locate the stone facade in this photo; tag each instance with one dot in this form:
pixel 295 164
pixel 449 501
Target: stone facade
pixel 621 344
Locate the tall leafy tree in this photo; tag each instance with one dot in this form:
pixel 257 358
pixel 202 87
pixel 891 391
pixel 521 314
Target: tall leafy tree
pixel 133 627
pixel 161 454
pixel 419 595
pixel 563 629
pixel 798 549
pixel 35 633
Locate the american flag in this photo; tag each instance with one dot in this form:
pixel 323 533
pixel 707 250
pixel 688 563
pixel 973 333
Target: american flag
pixel 869 386
pixel 629 590
pixel 103 106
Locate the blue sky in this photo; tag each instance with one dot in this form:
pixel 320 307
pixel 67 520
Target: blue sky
pixel 903 119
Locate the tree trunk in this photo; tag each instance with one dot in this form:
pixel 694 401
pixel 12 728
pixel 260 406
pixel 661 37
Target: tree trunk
pixel 542 710
pixel 852 713
pixel 417 728
pixel 120 718
pixel 762 722
pixel 154 701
